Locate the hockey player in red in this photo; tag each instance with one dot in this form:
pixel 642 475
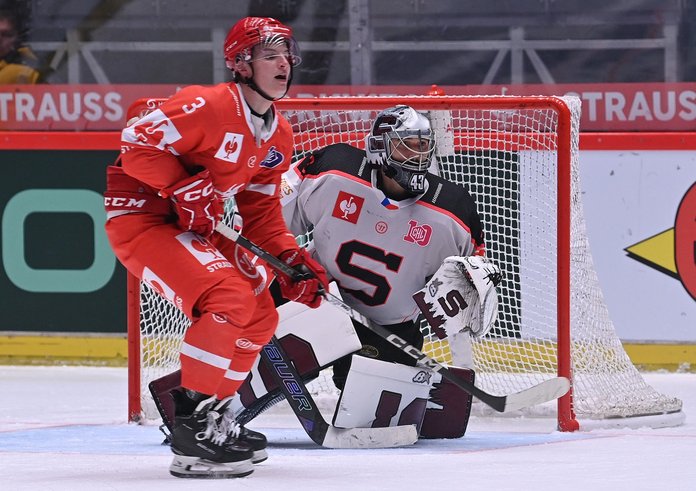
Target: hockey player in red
pixel 179 163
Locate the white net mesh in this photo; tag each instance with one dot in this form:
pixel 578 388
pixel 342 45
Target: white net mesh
pixel 517 195
pixel 507 154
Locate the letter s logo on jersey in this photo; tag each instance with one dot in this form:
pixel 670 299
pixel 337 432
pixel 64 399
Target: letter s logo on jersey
pixel 154 130
pixel 230 148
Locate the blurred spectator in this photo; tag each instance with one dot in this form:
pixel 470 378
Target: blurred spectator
pixel 17 61
pixel 687 43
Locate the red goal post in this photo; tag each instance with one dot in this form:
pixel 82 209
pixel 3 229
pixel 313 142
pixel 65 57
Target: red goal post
pixel 519 158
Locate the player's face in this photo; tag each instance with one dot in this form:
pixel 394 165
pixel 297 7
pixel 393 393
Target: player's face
pixel 410 149
pixel 272 68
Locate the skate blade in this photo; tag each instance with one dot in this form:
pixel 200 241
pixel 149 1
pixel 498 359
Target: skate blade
pixel 259 456
pixel 194 467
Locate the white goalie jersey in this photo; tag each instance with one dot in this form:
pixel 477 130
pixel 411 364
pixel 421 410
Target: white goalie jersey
pixel 378 251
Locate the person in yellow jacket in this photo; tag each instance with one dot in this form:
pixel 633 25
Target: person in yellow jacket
pixel 15 60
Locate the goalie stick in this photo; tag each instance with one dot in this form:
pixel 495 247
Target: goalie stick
pixel 313 422
pixel 543 392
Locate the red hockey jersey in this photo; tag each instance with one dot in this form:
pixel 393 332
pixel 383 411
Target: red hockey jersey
pixel 213 128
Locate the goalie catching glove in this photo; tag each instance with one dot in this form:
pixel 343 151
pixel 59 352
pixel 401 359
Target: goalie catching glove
pixel 312 281
pixel 198 206
pixel 461 296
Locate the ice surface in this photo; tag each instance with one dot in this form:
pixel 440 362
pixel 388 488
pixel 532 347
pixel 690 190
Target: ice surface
pixel 64 428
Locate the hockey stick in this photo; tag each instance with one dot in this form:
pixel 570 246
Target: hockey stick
pixel 313 422
pixel 545 391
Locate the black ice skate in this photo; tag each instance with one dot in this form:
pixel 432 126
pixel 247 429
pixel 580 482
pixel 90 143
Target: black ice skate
pixel 255 440
pixel 206 444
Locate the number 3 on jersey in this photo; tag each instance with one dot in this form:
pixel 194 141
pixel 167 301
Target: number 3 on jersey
pixel 189 108
pixel 382 287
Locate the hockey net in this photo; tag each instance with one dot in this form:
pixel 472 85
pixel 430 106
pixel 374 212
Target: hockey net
pixel 518 156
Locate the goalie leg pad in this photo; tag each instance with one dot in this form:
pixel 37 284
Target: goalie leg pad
pixel 161 391
pixel 312 338
pixel 449 407
pixel 380 394
pixel 375 346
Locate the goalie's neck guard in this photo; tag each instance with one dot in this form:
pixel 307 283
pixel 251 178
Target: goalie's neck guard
pixel 392 203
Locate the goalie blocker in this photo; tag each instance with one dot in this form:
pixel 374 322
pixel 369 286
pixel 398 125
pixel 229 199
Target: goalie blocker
pixel 377 393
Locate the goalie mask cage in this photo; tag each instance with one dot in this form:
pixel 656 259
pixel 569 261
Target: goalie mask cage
pixel 518 156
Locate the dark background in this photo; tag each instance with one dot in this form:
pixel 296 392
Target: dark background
pixel 56 240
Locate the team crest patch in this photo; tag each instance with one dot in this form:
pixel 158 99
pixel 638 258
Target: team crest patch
pixel 273 159
pixel 348 207
pixel 418 234
pixel 256 274
pixel 230 148
pixel 205 252
pixel 155 129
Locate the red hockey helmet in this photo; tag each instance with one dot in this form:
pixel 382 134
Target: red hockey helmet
pixel 251 31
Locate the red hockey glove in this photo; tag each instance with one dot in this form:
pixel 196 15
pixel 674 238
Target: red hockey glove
pixel 312 282
pixel 198 206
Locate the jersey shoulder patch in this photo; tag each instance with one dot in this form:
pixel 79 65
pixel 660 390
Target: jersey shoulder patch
pixel 338 157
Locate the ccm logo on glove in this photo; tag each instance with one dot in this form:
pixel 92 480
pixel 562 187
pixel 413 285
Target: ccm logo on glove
pixel 193 192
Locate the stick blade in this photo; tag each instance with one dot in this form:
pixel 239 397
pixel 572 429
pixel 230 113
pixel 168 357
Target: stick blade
pixel 393 436
pixel 546 391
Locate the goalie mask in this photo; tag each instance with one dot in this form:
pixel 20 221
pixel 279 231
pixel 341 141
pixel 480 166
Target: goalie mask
pixel 402 143
pixel 259 31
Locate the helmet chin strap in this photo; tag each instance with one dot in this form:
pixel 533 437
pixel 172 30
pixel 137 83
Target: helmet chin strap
pixel 252 85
